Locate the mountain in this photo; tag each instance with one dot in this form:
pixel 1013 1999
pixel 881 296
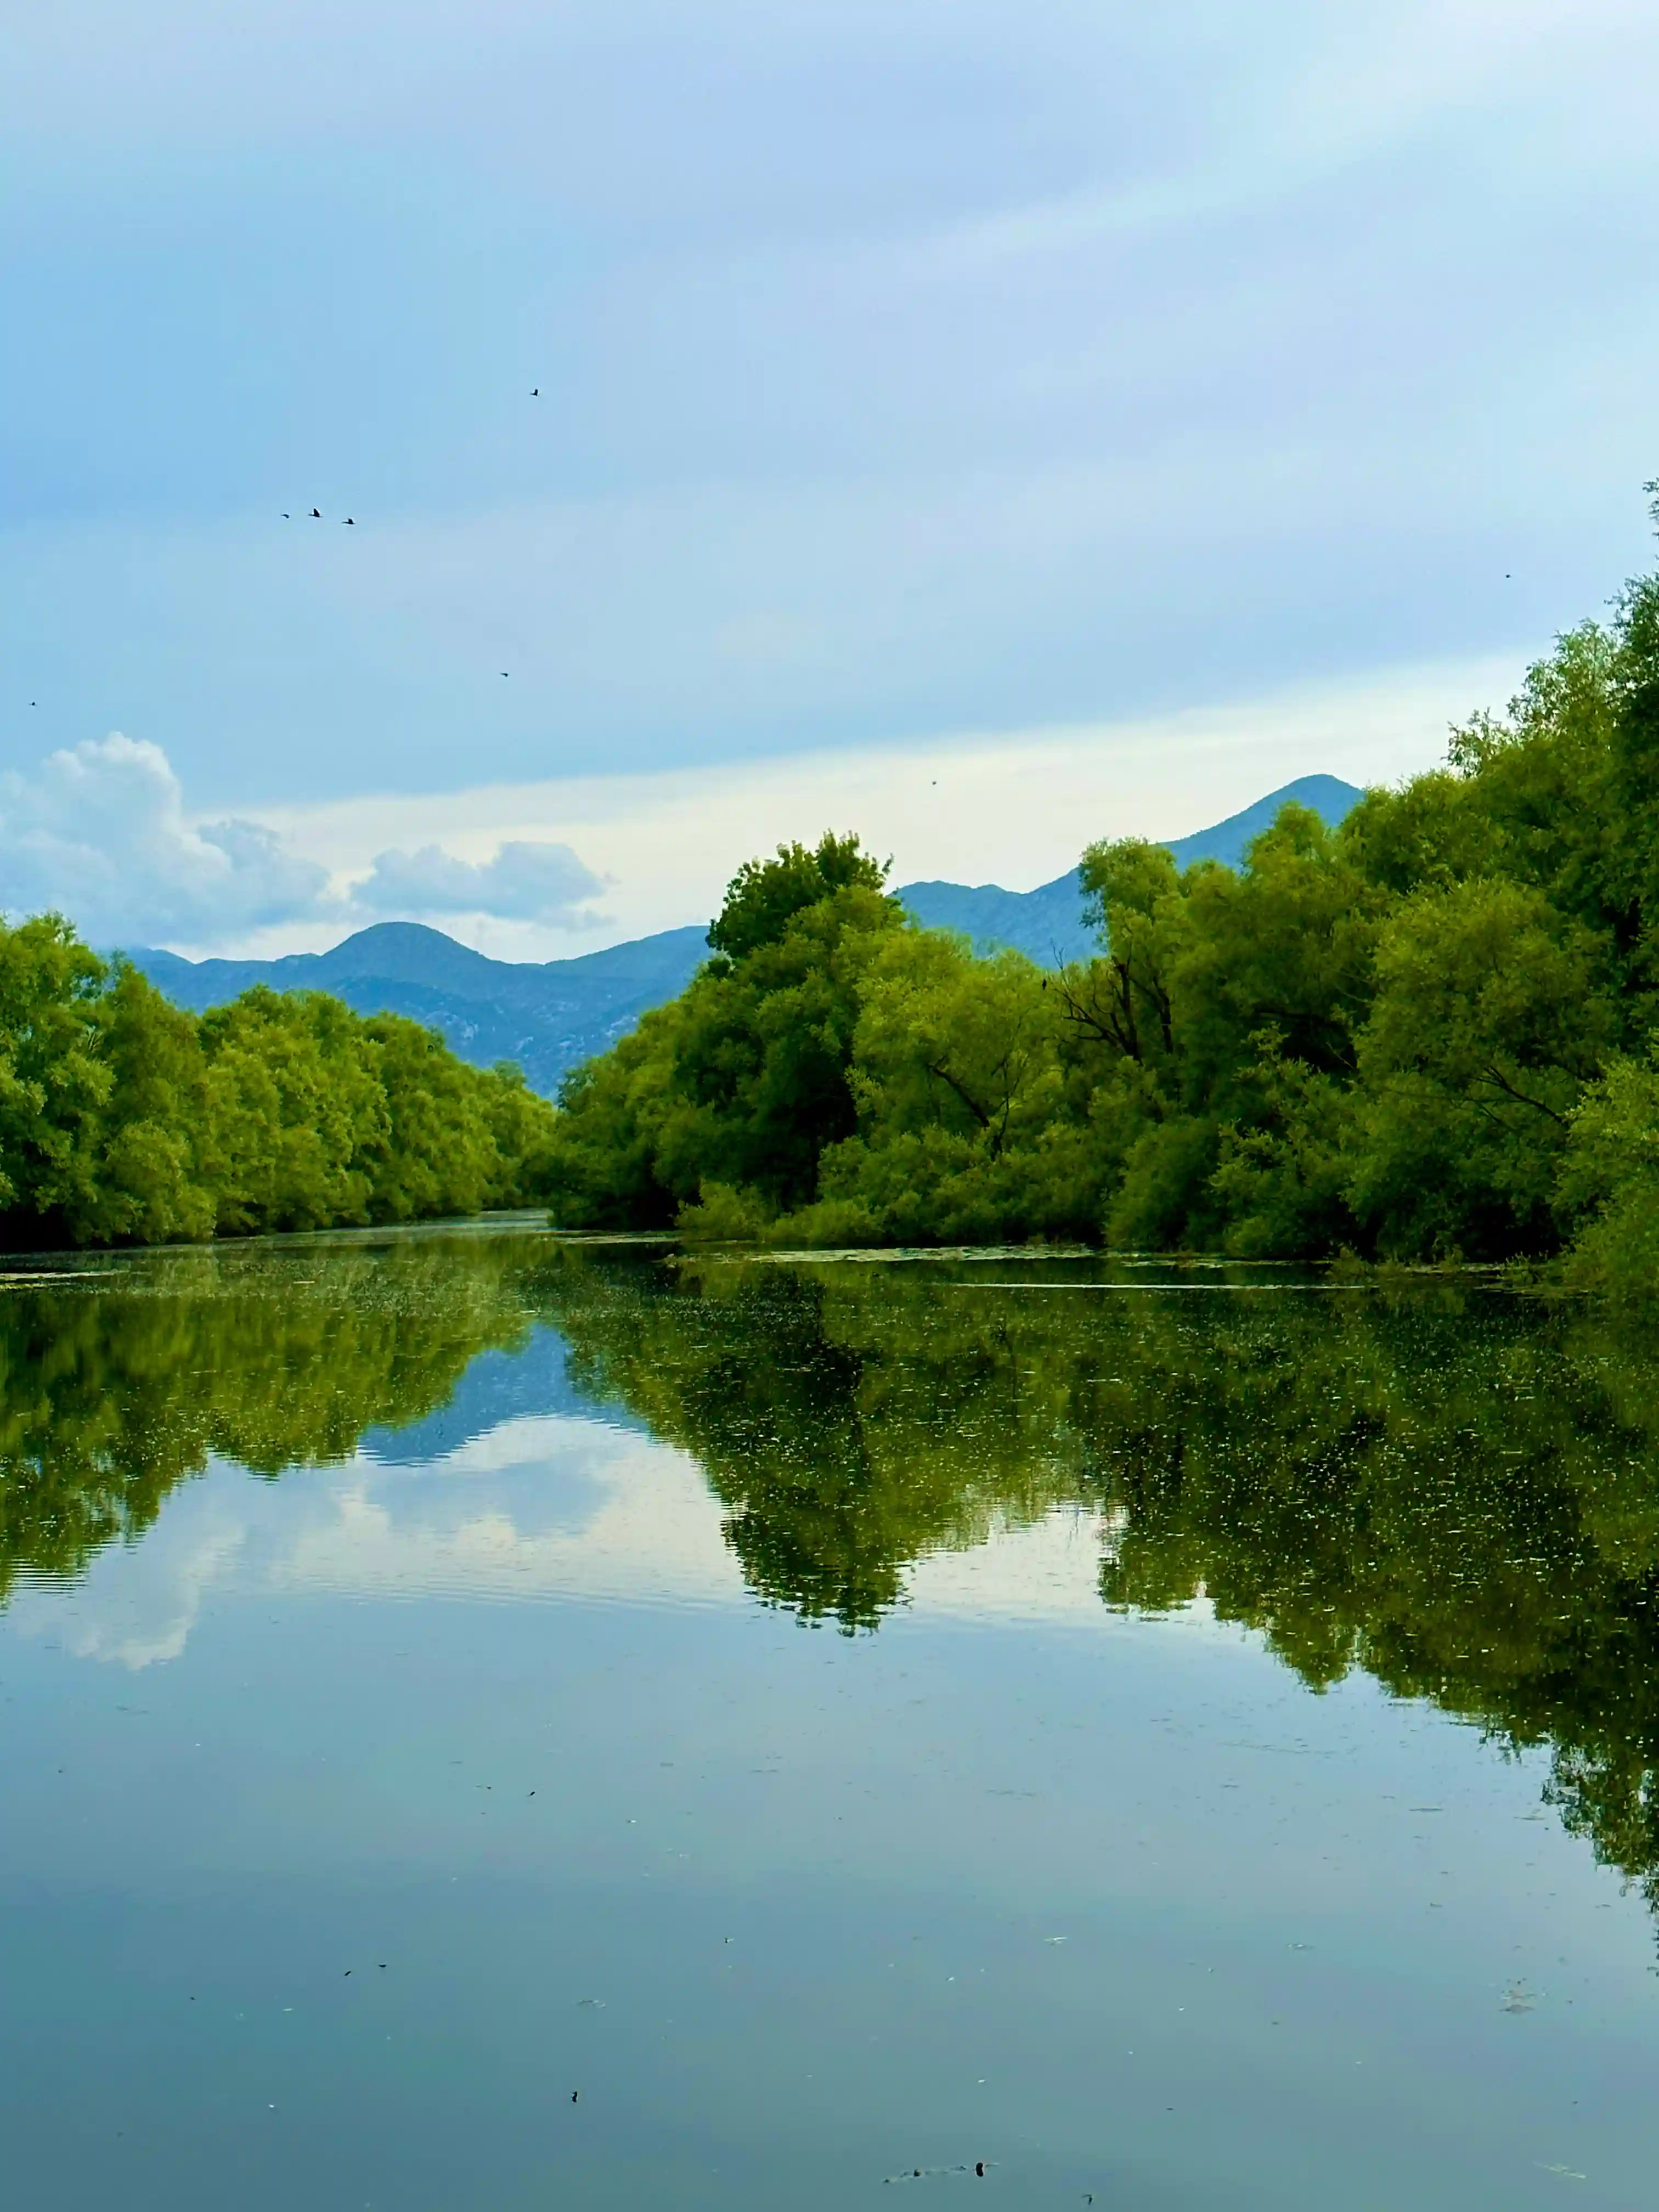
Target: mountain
pixel 548 1017
pixel 552 1015
pixel 1047 923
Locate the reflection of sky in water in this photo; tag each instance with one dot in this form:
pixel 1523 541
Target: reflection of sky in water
pixel 1114 1904
pixel 541 1506
pixel 498 1387
pixel 519 1487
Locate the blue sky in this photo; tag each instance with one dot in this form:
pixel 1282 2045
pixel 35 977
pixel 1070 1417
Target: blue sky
pixel 908 374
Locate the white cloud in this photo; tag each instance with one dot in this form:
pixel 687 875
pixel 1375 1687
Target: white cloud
pixel 99 832
pixel 542 883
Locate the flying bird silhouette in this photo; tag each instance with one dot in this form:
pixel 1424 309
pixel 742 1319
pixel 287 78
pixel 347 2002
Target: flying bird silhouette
pixel 349 522
pixel 316 515
pixel 537 393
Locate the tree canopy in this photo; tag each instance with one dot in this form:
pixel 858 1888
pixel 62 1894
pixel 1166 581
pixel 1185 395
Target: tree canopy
pixel 125 1121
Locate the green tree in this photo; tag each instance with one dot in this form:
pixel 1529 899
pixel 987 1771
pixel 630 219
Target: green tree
pixel 1608 1184
pixel 54 1083
pixel 764 896
pixel 964 1132
pixel 297 1113
pixel 147 1184
pixel 744 1081
pixel 1373 1039
pixel 1492 1011
pixel 124 1120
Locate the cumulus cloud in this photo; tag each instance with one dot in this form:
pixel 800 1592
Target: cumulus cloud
pixel 99 832
pixel 544 883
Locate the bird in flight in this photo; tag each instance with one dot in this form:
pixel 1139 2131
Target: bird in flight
pixel 349 522
pixel 537 393
pixel 316 515
pixel 287 517
pixel 503 671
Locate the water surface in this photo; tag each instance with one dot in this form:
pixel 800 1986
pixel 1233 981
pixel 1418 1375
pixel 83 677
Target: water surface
pixel 491 1722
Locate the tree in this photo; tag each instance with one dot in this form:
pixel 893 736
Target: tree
pixel 743 1083
pixel 54 1083
pixel 962 1133
pixel 1608 1184
pixel 765 895
pixel 148 1183
pixel 1491 1012
pixel 297 1113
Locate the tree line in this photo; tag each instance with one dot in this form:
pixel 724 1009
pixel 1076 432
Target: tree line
pixel 1426 1033
pixel 125 1120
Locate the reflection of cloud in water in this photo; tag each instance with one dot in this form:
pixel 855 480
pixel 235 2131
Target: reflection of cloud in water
pixel 542 1507
pixel 137 1603
pixel 550 1506
pixel 568 1508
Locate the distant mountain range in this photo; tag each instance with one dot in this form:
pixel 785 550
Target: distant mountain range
pixel 551 1016
pixel 548 1017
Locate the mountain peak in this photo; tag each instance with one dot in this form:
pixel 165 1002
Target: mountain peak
pixel 407 953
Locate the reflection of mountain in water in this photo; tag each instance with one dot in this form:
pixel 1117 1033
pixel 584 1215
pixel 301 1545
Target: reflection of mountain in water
pixel 496 1388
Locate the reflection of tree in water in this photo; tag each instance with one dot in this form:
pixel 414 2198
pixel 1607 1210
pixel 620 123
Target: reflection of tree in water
pixel 112 1393
pixel 1457 1492
pixel 749 1383
pixel 840 1455
pixel 1461 1497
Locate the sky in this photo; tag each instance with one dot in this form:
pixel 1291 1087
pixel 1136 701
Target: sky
pixel 984 427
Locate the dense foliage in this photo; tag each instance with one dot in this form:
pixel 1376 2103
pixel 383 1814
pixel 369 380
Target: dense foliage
pixel 1426 1034
pixel 124 1120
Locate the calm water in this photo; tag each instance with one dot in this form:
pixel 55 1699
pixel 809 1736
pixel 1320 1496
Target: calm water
pixel 489 1723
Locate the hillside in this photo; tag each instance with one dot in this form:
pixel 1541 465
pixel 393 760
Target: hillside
pixel 551 1016
pixel 1046 924
pixel 548 1017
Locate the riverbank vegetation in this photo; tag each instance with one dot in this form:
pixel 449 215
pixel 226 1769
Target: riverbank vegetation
pixel 1427 1034
pixel 124 1120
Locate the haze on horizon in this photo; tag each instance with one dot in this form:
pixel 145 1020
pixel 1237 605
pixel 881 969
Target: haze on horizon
pixel 1154 408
